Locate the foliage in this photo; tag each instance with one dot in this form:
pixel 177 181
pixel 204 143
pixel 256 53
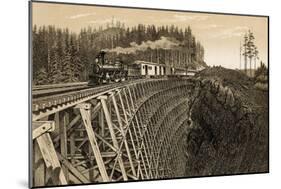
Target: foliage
pixel 41 77
pixel 250 51
pixel 261 78
pixel 63 56
pixel 261 71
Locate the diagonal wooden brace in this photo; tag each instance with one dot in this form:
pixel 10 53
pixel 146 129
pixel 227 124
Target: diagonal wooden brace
pixel 42 137
pixel 123 134
pixel 85 110
pixel 112 133
pixel 41 127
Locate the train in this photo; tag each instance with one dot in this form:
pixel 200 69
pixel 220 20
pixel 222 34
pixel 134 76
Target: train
pixel 104 71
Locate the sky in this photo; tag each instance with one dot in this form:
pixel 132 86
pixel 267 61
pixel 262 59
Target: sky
pixel 219 34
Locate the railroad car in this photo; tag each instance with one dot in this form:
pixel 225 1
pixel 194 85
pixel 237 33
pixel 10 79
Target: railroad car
pixel 105 71
pixel 148 69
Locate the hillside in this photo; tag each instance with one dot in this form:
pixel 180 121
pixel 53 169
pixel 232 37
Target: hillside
pixel 230 125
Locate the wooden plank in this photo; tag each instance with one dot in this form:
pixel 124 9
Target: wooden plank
pixel 134 93
pixel 129 175
pixel 85 113
pixel 127 102
pixel 41 127
pixel 74 179
pixel 70 125
pixel 91 161
pixel 142 141
pixel 112 133
pixel 96 110
pixel 63 122
pixel 49 154
pixel 124 136
pixel 127 123
pixel 38 166
pixel 106 142
pixel 143 162
pixel 140 170
pixel 101 124
pixel 72 147
pixel 131 98
pixel 73 170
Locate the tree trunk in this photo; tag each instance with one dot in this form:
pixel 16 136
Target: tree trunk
pixel 250 67
pixel 255 64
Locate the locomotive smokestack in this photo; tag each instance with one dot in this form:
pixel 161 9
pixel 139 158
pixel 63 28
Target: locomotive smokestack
pixel 101 57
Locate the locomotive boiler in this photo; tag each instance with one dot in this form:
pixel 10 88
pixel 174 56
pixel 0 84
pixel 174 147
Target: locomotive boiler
pixel 109 71
pixel 105 71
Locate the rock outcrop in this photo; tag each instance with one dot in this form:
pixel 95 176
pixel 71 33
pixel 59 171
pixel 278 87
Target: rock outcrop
pixel 229 125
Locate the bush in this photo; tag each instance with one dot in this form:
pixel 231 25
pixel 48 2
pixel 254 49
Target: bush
pixel 262 70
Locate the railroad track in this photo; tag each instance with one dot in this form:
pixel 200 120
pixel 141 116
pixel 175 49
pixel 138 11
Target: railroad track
pixel 47 90
pixel 53 86
pixel 50 102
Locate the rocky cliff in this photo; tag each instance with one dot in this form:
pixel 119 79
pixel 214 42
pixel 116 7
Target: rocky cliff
pixel 228 133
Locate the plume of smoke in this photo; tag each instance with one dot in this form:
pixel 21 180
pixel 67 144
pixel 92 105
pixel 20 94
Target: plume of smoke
pixel 162 43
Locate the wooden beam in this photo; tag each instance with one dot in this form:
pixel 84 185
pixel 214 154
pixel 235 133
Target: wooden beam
pixel 85 113
pixel 112 133
pixel 91 161
pixel 129 175
pixel 124 136
pixel 41 127
pixel 69 126
pixel 128 128
pixel 72 146
pixel 38 166
pixel 49 154
pixel 73 170
pixel 63 122
pixel 101 124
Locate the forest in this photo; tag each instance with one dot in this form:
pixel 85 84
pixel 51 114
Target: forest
pixel 62 56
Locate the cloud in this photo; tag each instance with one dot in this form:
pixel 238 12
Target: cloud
pixel 237 31
pixel 184 18
pixel 106 20
pixel 81 15
pixel 176 18
pixel 209 26
pixel 101 21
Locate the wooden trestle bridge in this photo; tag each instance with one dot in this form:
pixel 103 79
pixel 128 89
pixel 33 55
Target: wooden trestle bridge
pixel 124 131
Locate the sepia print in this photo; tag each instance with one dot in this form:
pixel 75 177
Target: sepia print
pixel 125 94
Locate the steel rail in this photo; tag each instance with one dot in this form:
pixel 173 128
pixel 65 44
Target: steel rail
pixel 53 91
pixel 61 85
pixel 48 105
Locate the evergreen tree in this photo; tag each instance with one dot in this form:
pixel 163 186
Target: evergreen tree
pixel 67 72
pixel 77 65
pixel 41 77
pixel 67 57
pixel 55 74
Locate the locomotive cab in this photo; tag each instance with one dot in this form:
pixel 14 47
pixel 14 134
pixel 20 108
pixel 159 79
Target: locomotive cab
pixel 106 71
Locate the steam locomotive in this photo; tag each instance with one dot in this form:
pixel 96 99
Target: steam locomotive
pixel 104 71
